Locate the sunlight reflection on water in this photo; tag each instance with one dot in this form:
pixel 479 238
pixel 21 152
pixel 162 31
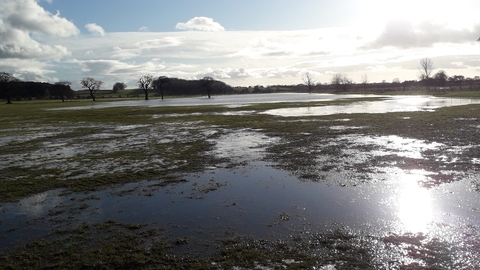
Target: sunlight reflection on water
pixel 414 205
pixel 392 104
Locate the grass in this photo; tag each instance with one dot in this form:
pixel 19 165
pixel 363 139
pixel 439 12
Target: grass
pixel 185 148
pixel 116 245
pixel 164 147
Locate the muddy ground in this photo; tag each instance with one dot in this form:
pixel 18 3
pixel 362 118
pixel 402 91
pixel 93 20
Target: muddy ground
pixel 217 187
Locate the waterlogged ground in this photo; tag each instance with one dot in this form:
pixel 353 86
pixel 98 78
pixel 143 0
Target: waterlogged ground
pixel 242 186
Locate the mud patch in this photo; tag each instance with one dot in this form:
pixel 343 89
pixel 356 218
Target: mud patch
pixel 241 146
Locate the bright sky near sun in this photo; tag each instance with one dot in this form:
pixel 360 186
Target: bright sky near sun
pixel 240 42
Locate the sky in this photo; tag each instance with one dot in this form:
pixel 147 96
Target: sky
pixel 240 42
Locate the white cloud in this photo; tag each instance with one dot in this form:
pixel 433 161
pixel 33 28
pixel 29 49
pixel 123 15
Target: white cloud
pixel 158 43
pixel 19 22
pixel 226 73
pixel 114 70
pixel 405 34
pixel 95 29
pixel 201 24
pixel 146 47
pixel 143 29
pixel 29 70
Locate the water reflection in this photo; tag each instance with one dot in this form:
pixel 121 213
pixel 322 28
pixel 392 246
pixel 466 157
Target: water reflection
pixel 414 205
pixel 392 104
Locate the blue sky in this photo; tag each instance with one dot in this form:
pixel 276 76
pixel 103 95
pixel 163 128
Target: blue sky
pixel 126 15
pixel 240 42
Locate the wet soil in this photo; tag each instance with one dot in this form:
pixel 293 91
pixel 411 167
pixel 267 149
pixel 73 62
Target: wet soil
pixel 233 187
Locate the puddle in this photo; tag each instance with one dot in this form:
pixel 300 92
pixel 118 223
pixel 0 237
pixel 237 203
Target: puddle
pixel 392 104
pixel 85 154
pixel 174 115
pixel 230 101
pixel 376 186
pixel 258 201
pixel 242 145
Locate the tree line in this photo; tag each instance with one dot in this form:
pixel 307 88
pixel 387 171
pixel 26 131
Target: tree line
pixel 13 88
pixel 163 86
pixel 439 81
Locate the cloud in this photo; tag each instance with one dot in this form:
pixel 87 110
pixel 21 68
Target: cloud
pixel 143 29
pixel 226 73
pixel 148 46
pixel 264 47
pixel 158 43
pixel 28 70
pixel 28 16
pixel 95 29
pixel 201 24
pixel 114 69
pixel 19 22
pixel 405 34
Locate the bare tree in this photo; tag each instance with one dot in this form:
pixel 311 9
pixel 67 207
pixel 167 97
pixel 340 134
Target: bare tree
pixel 62 88
pixel 160 83
pixel 92 85
pixel 144 84
pixel 364 82
pixel 6 80
pixel 207 84
pixel 310 81
pixel 426 65
pixel 341 82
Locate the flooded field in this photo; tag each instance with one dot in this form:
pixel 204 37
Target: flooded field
pixel 315 183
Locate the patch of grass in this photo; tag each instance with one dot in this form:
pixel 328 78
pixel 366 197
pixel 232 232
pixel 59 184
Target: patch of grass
pixel 116 245
pixel 188 151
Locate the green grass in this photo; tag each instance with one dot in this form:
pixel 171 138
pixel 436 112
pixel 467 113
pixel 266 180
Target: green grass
pixel 115 245
pixel 165 147
pixel 188 151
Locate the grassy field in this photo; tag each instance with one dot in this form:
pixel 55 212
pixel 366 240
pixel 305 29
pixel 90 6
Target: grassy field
pixel 87 150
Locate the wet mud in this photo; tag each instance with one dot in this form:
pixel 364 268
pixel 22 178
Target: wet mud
pixel 338 192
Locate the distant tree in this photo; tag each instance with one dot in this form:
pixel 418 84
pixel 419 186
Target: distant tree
pixel 364 82
pixel 310 81
pixel 396 81
pixel 119 86
pixel 62 88
pixel 341 82
pixel 144 84
pixel 161 83
pixel 6 80
pixel 92 85
pixel 470 82
pixel 440 78
pixel 207 84
pixel 426 66
pixel 457 80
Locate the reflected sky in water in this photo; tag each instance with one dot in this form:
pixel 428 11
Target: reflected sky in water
pixel 391 104
pixel 259 199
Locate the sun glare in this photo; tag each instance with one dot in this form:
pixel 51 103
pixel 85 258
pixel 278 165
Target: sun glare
pixel 413 10
pixel 414 205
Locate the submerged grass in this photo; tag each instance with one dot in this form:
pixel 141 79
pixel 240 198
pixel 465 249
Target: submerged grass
pixel 116 245
pixel 97 148
pixel 159 147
